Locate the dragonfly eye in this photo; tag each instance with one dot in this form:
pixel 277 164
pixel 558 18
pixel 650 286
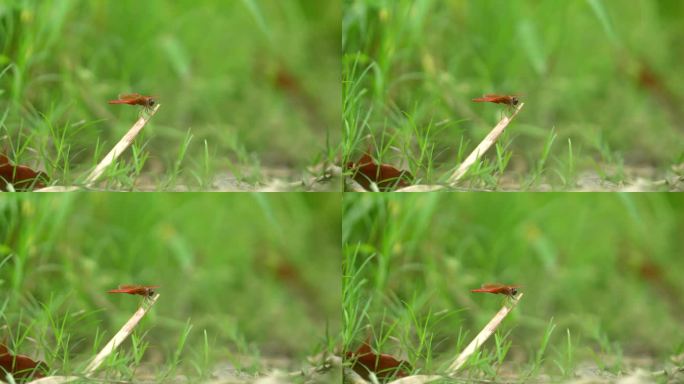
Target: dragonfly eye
pixel 151 102
pixel 515 101
pixel 514 291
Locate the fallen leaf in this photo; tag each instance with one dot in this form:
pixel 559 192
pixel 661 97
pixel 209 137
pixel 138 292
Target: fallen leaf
pixel 21 178
pixel 364 361
pixel 385 176
pixel 21 367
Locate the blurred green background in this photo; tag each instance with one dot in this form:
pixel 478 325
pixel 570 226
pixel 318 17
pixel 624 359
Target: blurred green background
pixel 257 80
pixel 605 268
pixel 601 83
pixel 260 274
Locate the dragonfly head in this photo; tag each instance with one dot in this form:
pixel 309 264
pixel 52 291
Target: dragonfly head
pixel 515 100
pixel 514 291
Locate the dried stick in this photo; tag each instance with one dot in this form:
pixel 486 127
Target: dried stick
pixel 120 147
pixel 484 334
pixel 55 380
pixel 417 379
pixel 420 188
pixel 120 336
pixel 483 147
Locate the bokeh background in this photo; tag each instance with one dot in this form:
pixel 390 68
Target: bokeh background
pixel 600 81
pixel 603 270
pixel 256 277
pixel 254 82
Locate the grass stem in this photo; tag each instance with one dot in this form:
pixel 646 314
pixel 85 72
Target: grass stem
pixel 120 336
pixel 120 147
pixel 483 147
pixel 484 334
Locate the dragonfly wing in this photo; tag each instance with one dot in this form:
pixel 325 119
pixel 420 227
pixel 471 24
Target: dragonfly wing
pixel 129 96
pixel 133 286
pixel 491 286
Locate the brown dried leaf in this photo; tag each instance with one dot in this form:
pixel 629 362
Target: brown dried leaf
pixel 385 176
pixel 21 178
pixel 364 361
pixel 21 367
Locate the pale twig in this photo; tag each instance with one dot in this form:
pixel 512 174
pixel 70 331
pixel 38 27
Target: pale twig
pixel 120 147
pixel 417 379
pixel 56 380
pixel 57 188
pixel 120 336
pixel 482 148
pixel 421 188
pixel 484 334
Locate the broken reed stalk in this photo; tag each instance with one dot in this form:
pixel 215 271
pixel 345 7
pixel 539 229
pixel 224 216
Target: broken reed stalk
pixel 483 147
pixel 421 188
pixel 417 379
pixel 55 380
pixel 120 336
pixel 120 147
pixel 484 334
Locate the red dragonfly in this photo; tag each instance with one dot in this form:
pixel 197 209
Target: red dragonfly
pixel 511 101
pixel 508 290
pixel 135 99
pixel 142 290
